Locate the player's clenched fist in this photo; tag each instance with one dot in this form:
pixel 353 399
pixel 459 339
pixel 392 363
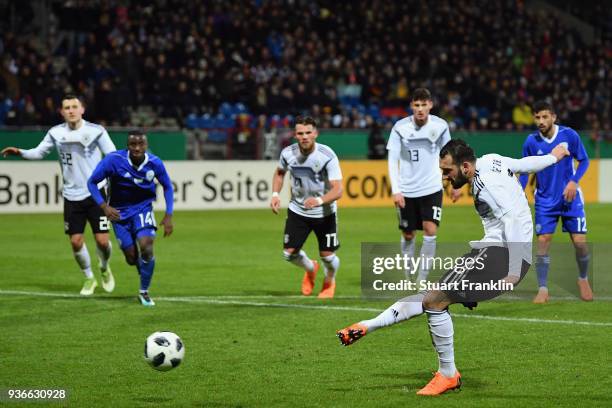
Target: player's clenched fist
pixel 560 151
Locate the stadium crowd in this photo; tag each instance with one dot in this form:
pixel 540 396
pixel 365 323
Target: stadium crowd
pixel 347 63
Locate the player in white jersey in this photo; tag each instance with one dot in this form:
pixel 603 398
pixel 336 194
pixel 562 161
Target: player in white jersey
pixel 316 184
pixel 497 262
pixel 80 145
pixel 416 184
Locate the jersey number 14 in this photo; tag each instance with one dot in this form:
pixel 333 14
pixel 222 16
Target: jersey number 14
pixel 147 219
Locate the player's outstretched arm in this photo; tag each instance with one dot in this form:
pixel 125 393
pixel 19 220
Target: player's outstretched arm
pixel 37 153
pixel 11 151
pixel 533 164
pixel 277 185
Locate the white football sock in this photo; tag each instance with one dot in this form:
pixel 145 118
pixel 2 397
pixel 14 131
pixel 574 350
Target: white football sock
pixel 401 310
pixel 300 259
pixel 84 261
pixel 331 263
pixel 441 330
pixel 428 251
pixel 104 255
pixel 408 250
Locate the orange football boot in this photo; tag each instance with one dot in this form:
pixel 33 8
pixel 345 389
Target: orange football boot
pixel 351 334
pixel 329 288
pixel 440 384
pixel 309 279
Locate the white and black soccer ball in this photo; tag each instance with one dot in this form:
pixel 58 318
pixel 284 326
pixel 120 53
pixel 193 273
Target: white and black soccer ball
pixel 164 350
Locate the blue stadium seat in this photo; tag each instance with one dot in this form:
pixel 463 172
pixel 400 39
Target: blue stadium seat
pixel 192 121
pixel 226 109
pixel 374 111
pixel 205 122
pixel 226 123
pixel 217 136
pixel 483 112
pixel 240 108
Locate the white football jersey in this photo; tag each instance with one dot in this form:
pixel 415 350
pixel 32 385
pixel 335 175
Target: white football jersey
pixel 310 176
pixel 502 205
pixel 417 149
pixel 80 150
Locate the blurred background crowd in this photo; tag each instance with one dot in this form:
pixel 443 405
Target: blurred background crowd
pixel 351 64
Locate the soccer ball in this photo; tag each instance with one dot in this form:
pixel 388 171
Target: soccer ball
pixel 164 350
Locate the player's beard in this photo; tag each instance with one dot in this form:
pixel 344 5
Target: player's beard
pixel 545 131
pixel 460 180
pixel 306 149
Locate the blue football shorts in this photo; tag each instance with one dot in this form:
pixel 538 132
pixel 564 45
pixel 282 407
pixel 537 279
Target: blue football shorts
pixel 547 223
pixel 141 224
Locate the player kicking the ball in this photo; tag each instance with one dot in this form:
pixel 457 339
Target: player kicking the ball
pixel 505 251
pixel 132 173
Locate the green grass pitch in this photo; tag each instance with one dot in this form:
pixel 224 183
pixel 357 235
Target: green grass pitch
pixel 222 285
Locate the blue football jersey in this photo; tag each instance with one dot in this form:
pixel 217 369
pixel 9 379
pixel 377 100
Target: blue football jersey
pixel 131 188
pixel 552 181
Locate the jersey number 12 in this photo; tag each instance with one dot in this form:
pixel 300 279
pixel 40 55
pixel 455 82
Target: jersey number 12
pixel 581 221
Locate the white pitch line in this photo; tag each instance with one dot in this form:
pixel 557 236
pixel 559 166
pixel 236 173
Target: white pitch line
pixel 217 301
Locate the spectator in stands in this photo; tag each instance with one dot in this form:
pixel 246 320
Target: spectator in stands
pixel 251 52
pixel 522 116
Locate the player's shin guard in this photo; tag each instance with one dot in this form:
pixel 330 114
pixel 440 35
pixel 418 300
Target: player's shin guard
pixel 428 251
pixel 146 273
pixel 83 259
pixel 300 259
pixel 104 254
pixel 331 264
pixel 401 310
pixel 542 265
pixel 441 330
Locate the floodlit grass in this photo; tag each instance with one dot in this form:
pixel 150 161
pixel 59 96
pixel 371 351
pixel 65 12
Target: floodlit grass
pixel 222 285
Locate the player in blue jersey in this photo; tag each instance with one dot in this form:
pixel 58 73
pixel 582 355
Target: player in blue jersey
pixel 131 173
pixel 558 195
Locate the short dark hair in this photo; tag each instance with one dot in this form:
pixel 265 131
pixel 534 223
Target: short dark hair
pixel 421 94
pixel 305 120
pixel 539 106
pixel 136 132
pixel 459 150
pixel 72 96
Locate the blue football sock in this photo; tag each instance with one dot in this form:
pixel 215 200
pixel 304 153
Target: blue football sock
pixel 542 265
pixel 146 273
pixel 583 265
